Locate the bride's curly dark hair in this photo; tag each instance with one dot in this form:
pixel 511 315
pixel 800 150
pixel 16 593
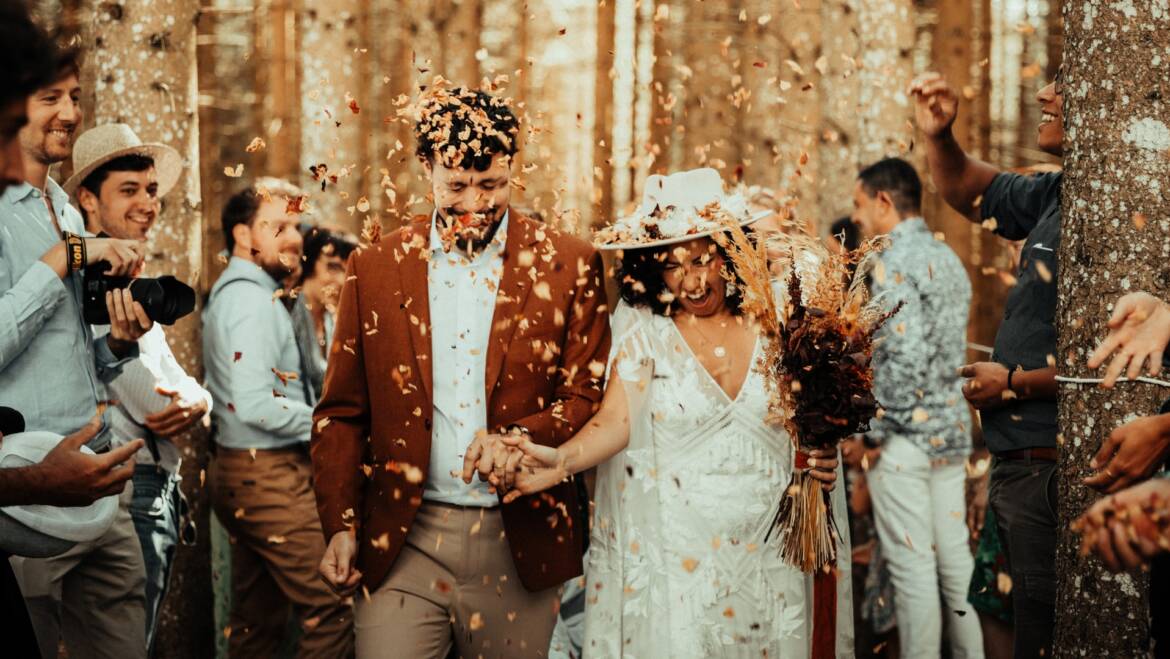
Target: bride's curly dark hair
pixel 640 280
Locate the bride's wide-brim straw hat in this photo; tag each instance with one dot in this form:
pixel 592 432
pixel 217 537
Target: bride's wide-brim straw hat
pixel 101 144
pixel 677 208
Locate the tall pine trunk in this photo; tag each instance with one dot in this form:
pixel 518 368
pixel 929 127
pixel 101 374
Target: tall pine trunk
pixel 1114 240
pixel 886 33
pixel 141 58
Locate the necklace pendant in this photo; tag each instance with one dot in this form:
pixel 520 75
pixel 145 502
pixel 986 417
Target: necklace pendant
pixel 720 351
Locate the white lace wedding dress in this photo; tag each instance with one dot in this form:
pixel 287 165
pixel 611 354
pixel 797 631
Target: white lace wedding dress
pixel 677 565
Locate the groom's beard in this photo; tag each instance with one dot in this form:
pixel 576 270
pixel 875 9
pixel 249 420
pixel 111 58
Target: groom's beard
pixel 470 240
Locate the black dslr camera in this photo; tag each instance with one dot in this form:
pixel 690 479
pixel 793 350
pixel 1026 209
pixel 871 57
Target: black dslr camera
pixel 165 299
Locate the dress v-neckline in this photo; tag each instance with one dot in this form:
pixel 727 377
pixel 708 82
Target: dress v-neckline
pixel 711 378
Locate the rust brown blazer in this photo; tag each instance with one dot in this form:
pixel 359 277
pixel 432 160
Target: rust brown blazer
pixel 545 363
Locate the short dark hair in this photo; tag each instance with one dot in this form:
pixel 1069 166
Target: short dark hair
pixel 131 162
pixel 465 128
pixel 846 233
pixel 897 178
pixel 323 241
pixel 640 279
pixel 242 206
pixel 30 57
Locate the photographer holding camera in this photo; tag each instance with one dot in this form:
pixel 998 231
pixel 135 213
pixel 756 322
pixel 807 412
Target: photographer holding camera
pixel 118 183
pixel 54 372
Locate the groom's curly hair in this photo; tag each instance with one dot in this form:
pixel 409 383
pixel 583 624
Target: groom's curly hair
pixel 639 274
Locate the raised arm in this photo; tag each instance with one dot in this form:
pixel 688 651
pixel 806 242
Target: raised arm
pixel 960 179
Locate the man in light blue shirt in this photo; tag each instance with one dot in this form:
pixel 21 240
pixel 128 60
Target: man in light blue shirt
pixel 260 476
pixel 53 371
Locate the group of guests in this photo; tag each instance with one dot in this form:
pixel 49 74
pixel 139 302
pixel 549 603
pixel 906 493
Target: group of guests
pixel 401 432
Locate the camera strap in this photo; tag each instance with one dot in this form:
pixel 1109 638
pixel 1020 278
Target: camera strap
pixel 74 250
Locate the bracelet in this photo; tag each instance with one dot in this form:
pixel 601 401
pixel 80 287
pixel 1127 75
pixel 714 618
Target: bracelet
pixel 74 250
pixel 1011 372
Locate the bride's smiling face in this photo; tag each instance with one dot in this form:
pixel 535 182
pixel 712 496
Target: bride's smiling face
pixel 692 274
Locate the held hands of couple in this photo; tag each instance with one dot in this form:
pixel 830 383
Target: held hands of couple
pixel 496 457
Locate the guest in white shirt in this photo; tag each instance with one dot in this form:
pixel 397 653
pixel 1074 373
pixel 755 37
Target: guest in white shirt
pixel 118 183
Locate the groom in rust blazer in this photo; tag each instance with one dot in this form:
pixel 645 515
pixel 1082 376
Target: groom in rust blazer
pixel 466 324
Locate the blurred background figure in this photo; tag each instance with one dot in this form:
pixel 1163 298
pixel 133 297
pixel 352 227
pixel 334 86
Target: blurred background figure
pixel 321 277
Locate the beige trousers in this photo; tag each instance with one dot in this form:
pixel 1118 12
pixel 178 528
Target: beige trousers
pixel 93 596
pixel 455 584
pixel 267 505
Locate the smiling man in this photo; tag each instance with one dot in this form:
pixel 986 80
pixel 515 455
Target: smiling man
pixel 260 473
pixel 471 322
pixel 118 182
pixel 92 595
pixel 1015 392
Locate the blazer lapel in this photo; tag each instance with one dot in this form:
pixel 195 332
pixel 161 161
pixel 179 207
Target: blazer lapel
pixel 515 285
pixel 413 258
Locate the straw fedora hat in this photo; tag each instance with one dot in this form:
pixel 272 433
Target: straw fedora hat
pixel 40 531
pixel 101 144
pixel 677 208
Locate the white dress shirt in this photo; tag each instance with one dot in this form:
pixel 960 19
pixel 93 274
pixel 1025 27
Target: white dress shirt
pixel 138 391
pixel 462 296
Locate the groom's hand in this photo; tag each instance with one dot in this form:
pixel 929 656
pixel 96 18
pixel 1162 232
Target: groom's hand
pixel 495 461
pixel 337 566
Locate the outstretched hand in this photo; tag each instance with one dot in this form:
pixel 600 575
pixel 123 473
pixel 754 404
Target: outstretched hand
pixel 1139 330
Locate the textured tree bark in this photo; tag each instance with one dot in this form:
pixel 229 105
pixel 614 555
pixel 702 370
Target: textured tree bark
pixel 886 31
pixel 1114 240
pixel 838 151
pixel 142 57
pixel 333 75
pixel 602 178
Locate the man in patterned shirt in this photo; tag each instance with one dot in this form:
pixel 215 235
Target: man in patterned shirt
pixel 917 485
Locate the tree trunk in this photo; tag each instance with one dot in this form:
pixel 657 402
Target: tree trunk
pixel 954 50
pixel 333 79
pixel 838 151
pixel 1117 141
pixel 886 31
pixel 142 55
pixel 602 178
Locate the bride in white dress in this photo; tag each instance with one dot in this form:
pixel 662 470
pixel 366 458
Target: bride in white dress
pixel 689 472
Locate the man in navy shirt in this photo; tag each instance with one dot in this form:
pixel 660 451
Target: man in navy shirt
pixel 1015 392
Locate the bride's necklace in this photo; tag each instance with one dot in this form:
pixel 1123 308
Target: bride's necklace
pixel 719 350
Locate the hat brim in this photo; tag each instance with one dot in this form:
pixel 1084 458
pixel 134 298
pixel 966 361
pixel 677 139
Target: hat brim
pixel 168 165
pixel 610 247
